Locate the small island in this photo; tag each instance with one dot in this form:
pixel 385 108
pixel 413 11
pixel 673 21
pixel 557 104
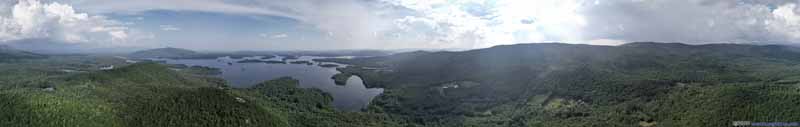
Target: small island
pixel 302 62
pixel 370 78
pixel 238 56
pixel 261 61
pixel 198 70
pixel 329 65
pixel 250 61
pixel 290 57
pixel 201 70
pixel 274 62
pixel 341 78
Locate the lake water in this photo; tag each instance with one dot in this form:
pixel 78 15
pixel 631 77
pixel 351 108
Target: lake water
pixel 350 97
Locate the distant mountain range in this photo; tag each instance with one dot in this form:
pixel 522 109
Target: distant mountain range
pixel 163 53
pixel 9 53
pixel 178 53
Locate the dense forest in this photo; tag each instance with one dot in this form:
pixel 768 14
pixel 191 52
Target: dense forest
pixel 527 85
pixel 151 95
pixel 552 84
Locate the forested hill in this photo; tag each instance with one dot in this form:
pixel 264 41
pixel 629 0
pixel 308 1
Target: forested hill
pixel 152 95
pixel 552 84
pixel 9 53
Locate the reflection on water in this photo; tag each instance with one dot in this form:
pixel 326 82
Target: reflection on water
pixel 351 97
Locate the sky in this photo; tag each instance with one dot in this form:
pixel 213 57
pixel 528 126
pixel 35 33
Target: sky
pixel 228 25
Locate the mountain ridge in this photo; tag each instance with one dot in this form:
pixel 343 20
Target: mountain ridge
pixel 10 53
pixel 580 85
pixel 167 52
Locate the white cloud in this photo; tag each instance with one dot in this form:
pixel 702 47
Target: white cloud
pixel 787 21
pixel 355 21
pixel 479 23
pixel 279 36
pixel 482 23
pixel 31 19
pixel 465 23
pixel 169 28
pixel 118 35
pixel 137 6
pixel 606 41
pixel 273 36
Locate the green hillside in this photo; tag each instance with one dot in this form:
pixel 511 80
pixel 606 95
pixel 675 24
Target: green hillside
pixel 9 54
pixel 551 84
pixel 151 95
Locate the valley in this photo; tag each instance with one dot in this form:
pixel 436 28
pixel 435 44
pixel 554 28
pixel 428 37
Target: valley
pixel 535 85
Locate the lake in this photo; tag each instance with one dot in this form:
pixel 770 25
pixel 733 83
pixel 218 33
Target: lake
pixel 353 96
